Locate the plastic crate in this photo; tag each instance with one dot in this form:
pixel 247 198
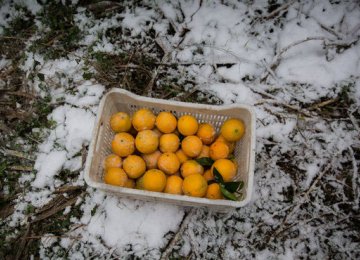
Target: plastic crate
pixel 121 100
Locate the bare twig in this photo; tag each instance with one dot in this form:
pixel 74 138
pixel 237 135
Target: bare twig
pixel 303 198
pixel 8 152
pixel 277 58
pixel 63 236
pixel 23 241
pixel 278 10
pixel 355 176
pixel 323 104
pixel 67 188
pixel 21 168
pixel 53 210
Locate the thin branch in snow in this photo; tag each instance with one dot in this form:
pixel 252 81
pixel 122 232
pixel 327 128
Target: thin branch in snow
pixel 276 60
pixel 355 177
pixel 278 10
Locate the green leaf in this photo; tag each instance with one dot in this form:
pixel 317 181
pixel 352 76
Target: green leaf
pixel 217 176
pixel 211 182
pixel 41 76
pixel 233 186
pixel 87 75
pixel 227 194
pixel 205 161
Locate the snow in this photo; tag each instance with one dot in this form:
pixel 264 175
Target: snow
pixel 144 224
pixel 226 51
pixel 47 166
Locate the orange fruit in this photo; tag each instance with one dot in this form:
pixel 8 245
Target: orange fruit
pixel 123 144
pixel 208 175
pixel 112 161
pixel 195 185
pixel 157 131
pixel 147 141
pixel 120 122
pixel 206 133
pixel 168 163
pixel 151 159
pixel 231 145
pixel 140 183
pixel 226 168
pixel 191 145
pixel 219 150
pixel 181 156
pixel 130 183
pixel 115 176
pixel 191 167
pixel 187 125
pixel 174 185
pixel 169 143
pixel 205 152
pixel 214 192
pixel 233 129
pixel 154 180
pixel 134 166
pixel 166 122
pixel 143 119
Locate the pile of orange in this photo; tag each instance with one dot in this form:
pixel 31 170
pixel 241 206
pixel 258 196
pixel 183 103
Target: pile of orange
pixel 161 153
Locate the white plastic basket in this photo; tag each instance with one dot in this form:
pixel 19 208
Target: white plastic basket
pixel 121 100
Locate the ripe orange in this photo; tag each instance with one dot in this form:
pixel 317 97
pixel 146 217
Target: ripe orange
pixel 123 144
pixel 195 185
pixel 191 145
pixel 130 183
pixel 166 122
pixel 174 185
pixel 147 141
pixel 169 143
pixel 206 133
pixel 154 180
pixel 191 167
pixel 187 125
pixel 151 159
pixel 181 156
pixel 157 131
pixel 226 168
pixel 231 145
pixel 115 176
pixel 219 150
pixel 140 183
pixel 208 175
pixel 112 161
pixel 233 129
pixel 205 152
pixel 120 122
pixel 134 166
pixel 214 192
pixel 168 163
pixel 143 119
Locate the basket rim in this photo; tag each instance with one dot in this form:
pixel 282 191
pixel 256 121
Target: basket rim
pixel 175 198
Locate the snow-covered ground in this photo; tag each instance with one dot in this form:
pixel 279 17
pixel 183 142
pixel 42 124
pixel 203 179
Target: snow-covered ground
pixel 285 58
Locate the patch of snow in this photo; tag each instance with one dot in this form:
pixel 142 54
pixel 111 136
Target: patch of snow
pixel 47 166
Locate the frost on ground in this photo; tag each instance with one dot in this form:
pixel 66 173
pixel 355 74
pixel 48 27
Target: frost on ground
pixel 297 62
